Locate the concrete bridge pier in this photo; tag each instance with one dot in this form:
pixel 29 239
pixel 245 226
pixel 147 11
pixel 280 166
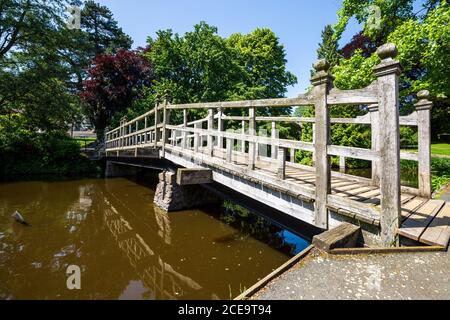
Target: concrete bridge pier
pixel 114 170
pixel 171 195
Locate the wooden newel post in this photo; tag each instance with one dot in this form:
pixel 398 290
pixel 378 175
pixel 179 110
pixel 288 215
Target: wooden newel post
pixel 156 124
pixel 185 124
pixel 375 125
pixel 229 150
pixel 423 108
pixel 322 82
pixel 387 73
pixel 166 121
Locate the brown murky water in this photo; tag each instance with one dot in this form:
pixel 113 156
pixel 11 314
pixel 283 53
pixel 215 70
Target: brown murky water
pixel 126 248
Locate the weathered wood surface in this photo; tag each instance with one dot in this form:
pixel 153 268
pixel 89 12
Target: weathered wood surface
pixel 438 232
pixel 345 235
pixel 387 73
pixel 428 223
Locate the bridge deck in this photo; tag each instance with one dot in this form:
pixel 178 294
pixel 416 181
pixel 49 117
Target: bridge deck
pixel 424 220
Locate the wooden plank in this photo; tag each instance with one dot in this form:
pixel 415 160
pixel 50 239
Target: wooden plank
pixel 411 156
pixel 438 232
pixel 367 212
pixel 351 152
pixel 353 192
pixel 366 195
pixel 411 206
pixel 348 188
pixel 415 225
pixel 280 102
pixel 356 251
pixel 345 235
pixel 342 184
pixel 376 200
pixel 303 179
pixel 368 95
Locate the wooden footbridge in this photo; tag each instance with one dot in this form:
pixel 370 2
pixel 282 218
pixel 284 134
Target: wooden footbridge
pixel 262 166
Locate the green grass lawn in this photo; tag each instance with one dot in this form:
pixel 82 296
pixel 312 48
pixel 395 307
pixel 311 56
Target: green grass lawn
pixel 84 141
pixel 441 148
pixel 436 148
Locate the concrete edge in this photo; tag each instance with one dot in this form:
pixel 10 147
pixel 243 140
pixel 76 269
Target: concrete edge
pixel 356 251
pixel 274 274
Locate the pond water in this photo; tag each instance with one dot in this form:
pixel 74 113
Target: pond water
pixel 128 249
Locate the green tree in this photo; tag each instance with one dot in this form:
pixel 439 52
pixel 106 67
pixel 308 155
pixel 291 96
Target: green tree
pixel 423 51
pixel 329 47
pixel 43 63
pixel 201 66
pixel 104 34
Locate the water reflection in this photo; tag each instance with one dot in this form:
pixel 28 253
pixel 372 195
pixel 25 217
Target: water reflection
pixel 126 248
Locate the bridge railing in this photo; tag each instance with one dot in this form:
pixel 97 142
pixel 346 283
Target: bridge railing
pixel 212 135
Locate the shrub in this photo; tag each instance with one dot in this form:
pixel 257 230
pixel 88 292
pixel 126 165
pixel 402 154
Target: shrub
pixel 25 151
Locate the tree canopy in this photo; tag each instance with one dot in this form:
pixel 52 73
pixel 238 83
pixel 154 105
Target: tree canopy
pixel 114 82
pixel 202 66
pixel 42 62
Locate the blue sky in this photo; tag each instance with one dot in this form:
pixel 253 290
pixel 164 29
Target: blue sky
pixel 298 23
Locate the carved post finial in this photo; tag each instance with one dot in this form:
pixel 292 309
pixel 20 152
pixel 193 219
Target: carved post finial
pixel 321 65
pixel 387 51
pixel 321 75
pixel 424 103
pixel 388 64
pixel 423 94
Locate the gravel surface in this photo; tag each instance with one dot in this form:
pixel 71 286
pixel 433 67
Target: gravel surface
pixel 395 276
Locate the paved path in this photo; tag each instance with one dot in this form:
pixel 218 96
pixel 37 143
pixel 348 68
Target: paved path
pixel 396 276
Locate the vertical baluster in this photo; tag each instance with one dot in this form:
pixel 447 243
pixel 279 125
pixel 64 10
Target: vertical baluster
pixel 210 146
pixel 375 127
pixel 281 168
pixel 156 123
pixel 251 132
pixel 342 167
pixel 220 127
pixel 229 150
pixel 243 132
pixel 274 135
pixel 185 125
pixel 197 141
